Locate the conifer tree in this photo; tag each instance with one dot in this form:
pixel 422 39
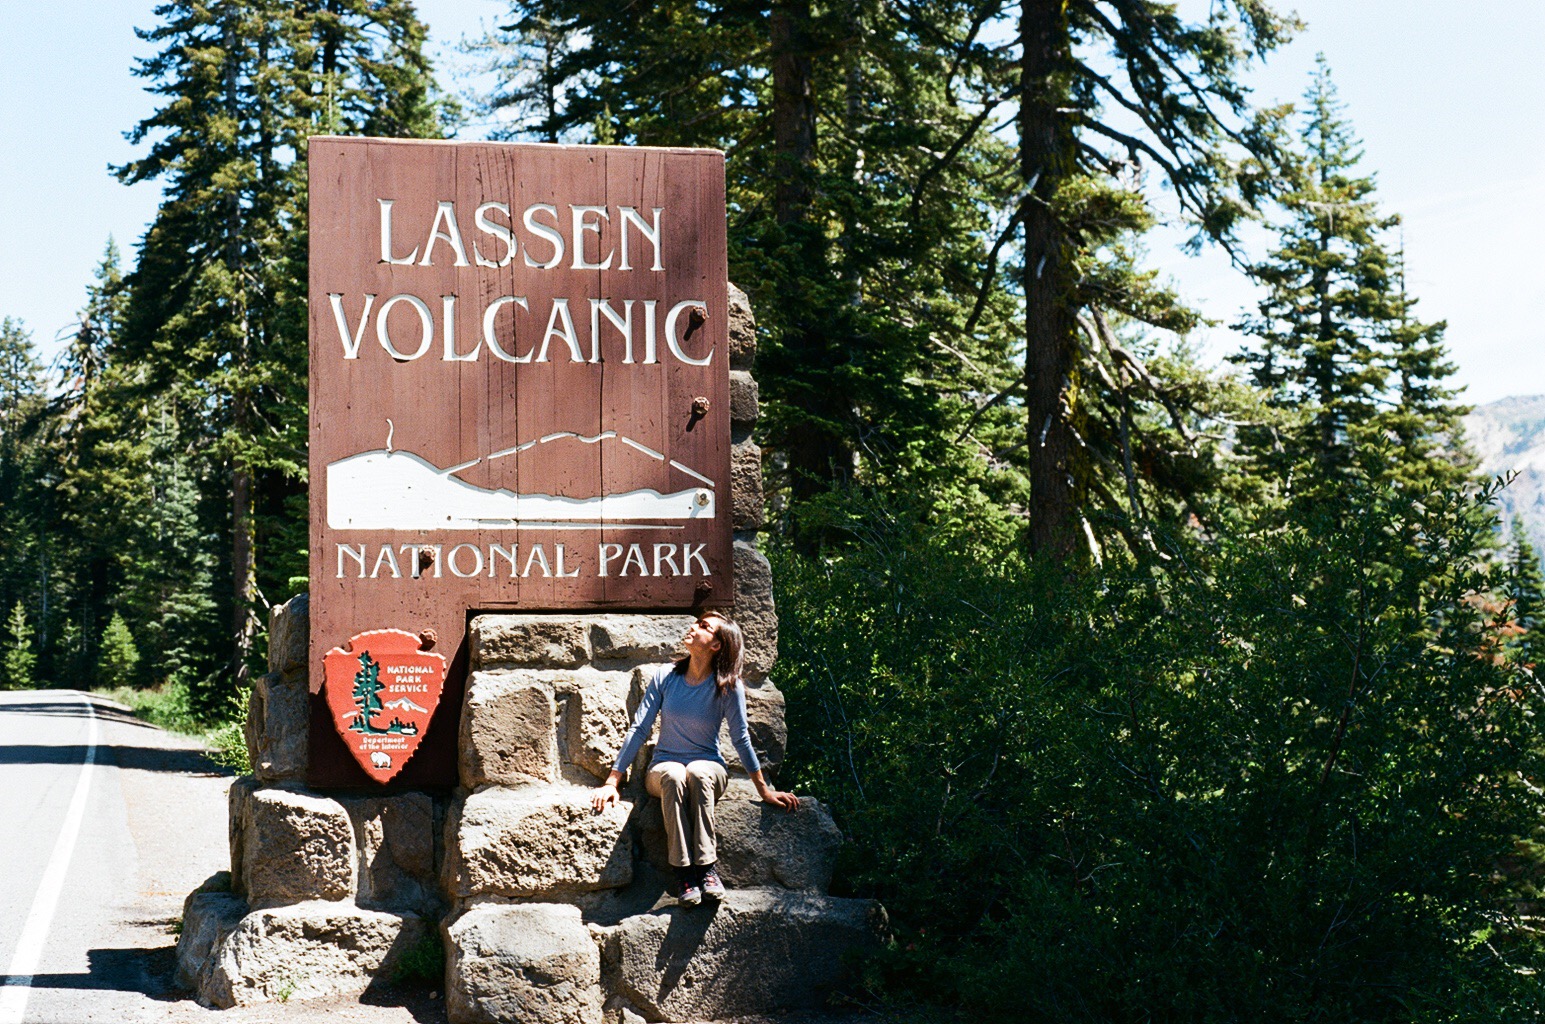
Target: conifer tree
pixel 216 309
pixel 120 657
pixel 21 659
pixel 92 427
pixel 168 565
pixel 1338 340
pixel 905 188
pixel 1524 586
pixel 1422 417
pixel 27 476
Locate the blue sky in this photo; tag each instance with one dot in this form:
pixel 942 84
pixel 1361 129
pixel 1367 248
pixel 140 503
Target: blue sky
pixel 1448 98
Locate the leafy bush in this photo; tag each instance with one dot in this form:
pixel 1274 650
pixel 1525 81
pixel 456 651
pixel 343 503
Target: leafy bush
pixel 119 656
pixel 1281 781
pixel 423 963
pixel 20 660
pixel 171 706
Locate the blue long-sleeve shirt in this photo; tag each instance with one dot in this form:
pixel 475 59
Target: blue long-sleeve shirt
pixel 689 722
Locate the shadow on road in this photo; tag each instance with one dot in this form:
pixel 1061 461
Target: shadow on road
pixel 149 759
pixel 147 971
pixel 74 709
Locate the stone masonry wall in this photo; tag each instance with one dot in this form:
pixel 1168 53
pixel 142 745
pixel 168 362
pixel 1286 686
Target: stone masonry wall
pixel 547 911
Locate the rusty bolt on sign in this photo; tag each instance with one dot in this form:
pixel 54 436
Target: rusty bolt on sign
pixel 697 316
pixel 427 638
pixel 699 410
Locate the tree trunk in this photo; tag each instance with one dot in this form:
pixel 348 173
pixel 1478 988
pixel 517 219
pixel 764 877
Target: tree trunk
pixel 817 455
pixel 1046 159
pixel 243 562
pixel 793 110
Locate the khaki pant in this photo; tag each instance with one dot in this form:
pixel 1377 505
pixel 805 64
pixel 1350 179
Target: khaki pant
pixel 687 795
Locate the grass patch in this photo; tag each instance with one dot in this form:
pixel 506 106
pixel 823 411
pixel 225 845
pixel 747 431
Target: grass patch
pixel 170 707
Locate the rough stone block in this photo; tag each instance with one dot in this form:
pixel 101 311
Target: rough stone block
pixel 759 951
pixel 533 963
pixel 742 331
pixel 637 637
pixel 769 733
pixel 745 399
pixel 508 730
pixel 537 841
pixel 762 845
pixel 596 721
pixel 307 951
pixel 746 499
pixel 238 819
pixel 759 845
pixel 754 610
pixel 296 846
pixel 209 914
pixel 289 635
pixel 544 641
pixel 278 726
pixel 395 840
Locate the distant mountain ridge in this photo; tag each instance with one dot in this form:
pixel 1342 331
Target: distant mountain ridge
pixel 1508 435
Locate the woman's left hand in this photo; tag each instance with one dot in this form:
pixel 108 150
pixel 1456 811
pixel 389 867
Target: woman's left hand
pixel 783 801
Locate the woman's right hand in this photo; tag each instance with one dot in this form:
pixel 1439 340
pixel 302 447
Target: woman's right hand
pixel 603 796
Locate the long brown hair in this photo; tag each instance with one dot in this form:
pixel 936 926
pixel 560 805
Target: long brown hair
pixel 729 659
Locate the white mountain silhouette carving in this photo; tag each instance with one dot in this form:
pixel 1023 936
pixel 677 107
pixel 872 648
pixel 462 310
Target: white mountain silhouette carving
pixel 404 704
pixel 399 490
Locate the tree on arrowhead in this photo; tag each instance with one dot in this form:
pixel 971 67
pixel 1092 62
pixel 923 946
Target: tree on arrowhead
pixel 367 693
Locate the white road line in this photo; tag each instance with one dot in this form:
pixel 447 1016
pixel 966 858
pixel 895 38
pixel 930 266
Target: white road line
pixel 29 948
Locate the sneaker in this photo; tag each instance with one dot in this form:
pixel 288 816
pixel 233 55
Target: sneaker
pixel 688 893
pixel 713 885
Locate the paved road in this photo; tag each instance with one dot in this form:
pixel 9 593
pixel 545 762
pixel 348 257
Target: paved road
pixel 106 824
pixel 109 822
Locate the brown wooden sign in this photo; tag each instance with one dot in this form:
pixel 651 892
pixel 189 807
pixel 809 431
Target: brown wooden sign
pixel 519 392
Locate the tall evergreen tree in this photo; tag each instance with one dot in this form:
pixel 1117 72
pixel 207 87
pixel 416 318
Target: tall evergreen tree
pixel 92 426
pixel 1524 587
pixel 1422 418
pixel 27 479
pixel 1100 91
pixel 216 311
pixel 1338 340
pixel 859 245
pixel 904 186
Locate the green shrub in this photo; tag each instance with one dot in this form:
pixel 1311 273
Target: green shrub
pixel 20 659
pixel 119 657
pixel 228 747
pixel 423 963
pixel 1278 782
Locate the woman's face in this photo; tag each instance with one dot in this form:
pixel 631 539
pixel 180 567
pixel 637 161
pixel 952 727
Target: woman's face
pixel 702 636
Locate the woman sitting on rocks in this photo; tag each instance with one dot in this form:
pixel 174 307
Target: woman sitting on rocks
pixel 687 772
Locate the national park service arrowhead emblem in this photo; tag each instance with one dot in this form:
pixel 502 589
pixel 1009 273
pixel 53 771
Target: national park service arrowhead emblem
pixel 382 688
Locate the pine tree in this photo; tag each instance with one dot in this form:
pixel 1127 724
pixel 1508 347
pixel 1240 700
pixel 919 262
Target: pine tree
pixel 1422 420
pixel 120 657
pixel 216 314
pixel 1338 341
pixel 93 426
pixel 1524 587
pixel 28 476
pixel 21 659
pixel 882 224
pixel 168 565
